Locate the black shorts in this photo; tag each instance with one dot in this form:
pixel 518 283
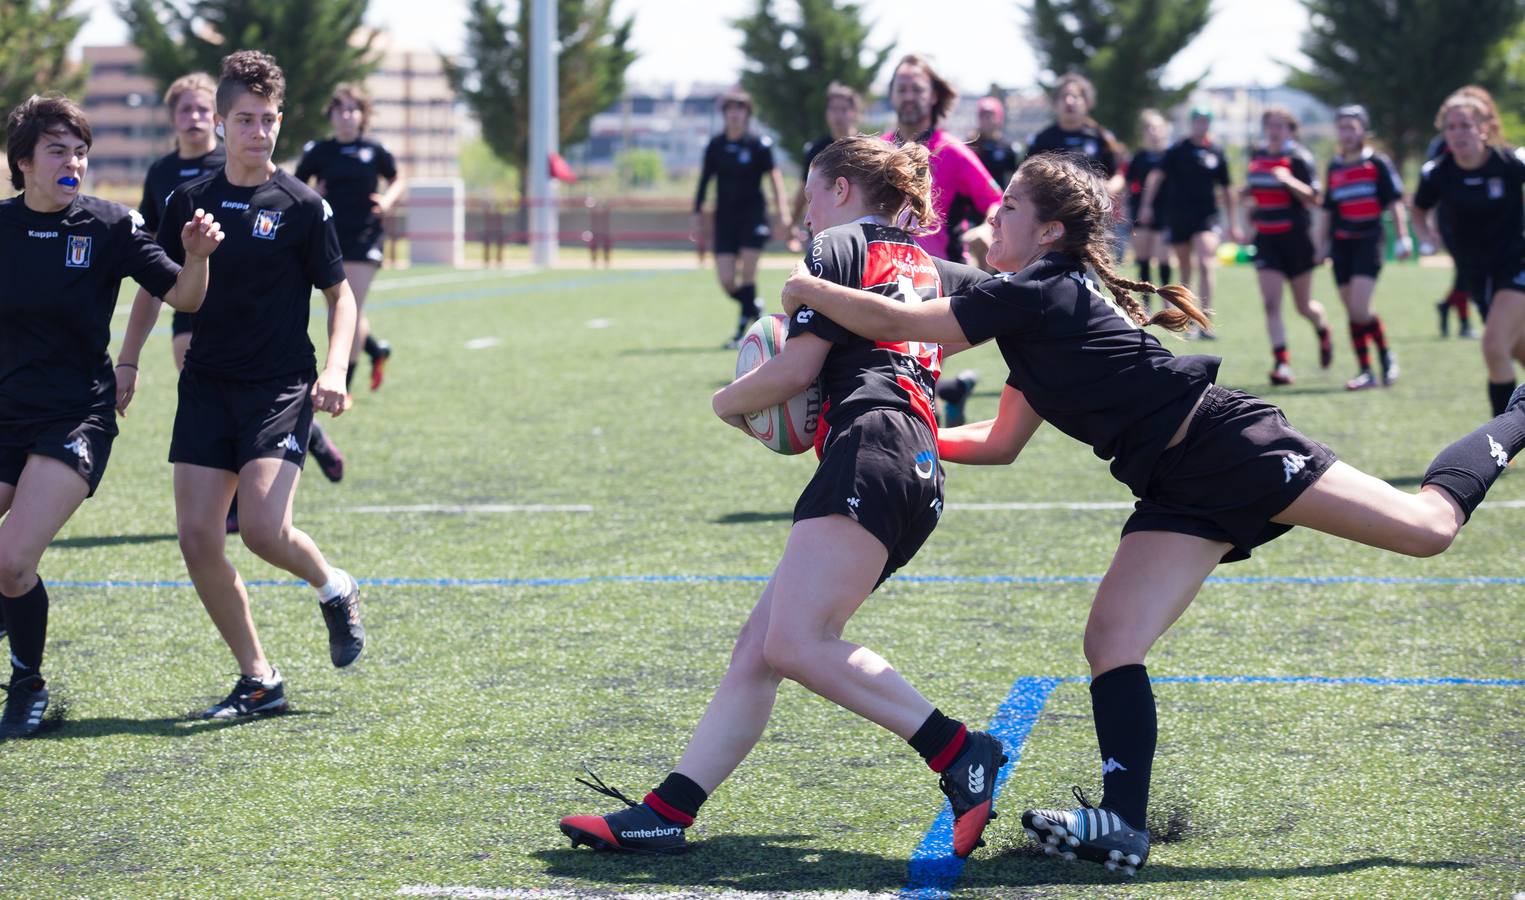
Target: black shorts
pixel 1239 465
pixel 1290 253
pixel 882 472
pixel 1482 283
pixel 83 444
pixel 1183 226
pixel 734 231
pixel 1352 257
pixel 223 424
pixel 362 246
pixel 180 323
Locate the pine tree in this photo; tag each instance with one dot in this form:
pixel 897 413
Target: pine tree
pixel 790 64
pixel 317 43
pixel 34 46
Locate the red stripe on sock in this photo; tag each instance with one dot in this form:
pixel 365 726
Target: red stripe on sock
pixel 668 811
pixel 1377 333
pixel 948 754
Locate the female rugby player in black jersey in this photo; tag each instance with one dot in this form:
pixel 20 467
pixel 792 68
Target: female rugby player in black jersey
pixel 875 498
pixel 1074 131
pixel 1217 472
pixel 248 390
pixel 65 255
pixel 1150 241
pixel 1477 189
pixel 348 169
pixel 738 160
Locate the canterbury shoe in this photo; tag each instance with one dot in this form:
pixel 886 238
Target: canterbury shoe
pixel 1282 374
pixel 637 829
pixel 1362 381
pixel 251 697
pixel 1098 835
pixel 969 784
pixel 326 453
pixel 379 351
pixel 27 701
pixel 346 636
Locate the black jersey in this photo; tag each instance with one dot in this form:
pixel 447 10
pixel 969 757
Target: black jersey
pixel 1357 191
pixel 1083 364
pixel 1000 157
pixel 1193 171
pixel 859 374
pixel 1277 211
pixel 1482 206
pixel 169 172
pixel 350 174
pixel 63 273
pixel 1139 167
pixel 1088 141
pixel 811 151
pixel 279 243
pixel 737 167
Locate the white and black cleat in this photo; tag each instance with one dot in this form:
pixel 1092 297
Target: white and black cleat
pixel 1089 833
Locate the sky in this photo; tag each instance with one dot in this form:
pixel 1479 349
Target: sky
pixel 1247 41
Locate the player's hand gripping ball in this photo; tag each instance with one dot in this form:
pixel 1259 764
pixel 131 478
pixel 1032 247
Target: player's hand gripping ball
pixel 787 427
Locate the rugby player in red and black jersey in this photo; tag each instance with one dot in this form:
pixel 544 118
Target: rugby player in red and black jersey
pixel 875 498
pixel 65 255
pixel 1282 185
pixel 1361 183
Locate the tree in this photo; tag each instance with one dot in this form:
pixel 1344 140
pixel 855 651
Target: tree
pixel 34 46
pixel 1122 46
pixel 493 77
pixel 318 44
pixel 790 64
pixel 1400 59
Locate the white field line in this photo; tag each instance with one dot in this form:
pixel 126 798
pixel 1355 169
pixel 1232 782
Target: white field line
pixel 465 508
pixel 482 343
pixel 403 283
pixel 460 892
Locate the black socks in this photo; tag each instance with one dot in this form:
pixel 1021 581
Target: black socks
pixel 677 799
pixel 27 619
pixel 1498 395
pixel 1122 704
pixel 1164 273
pixel 746 297
pixel 1468 468
pixel 938 740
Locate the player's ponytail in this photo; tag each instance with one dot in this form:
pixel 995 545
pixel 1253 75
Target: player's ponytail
pixel 1063 188
pixel 895 181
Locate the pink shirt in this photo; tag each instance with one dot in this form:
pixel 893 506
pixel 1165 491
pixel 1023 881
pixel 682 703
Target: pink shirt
pixel 955 170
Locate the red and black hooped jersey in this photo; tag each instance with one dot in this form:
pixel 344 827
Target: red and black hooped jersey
pixel 860 374
pixel 1277 210
pixel 1357 191
pixel 1482 206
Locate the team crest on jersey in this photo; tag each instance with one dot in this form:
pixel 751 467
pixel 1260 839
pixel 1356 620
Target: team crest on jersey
pixel 366 154
pixel 1209 160
pixel 266 221
pixel 1495 189
pixel 744 157
pixel 78 255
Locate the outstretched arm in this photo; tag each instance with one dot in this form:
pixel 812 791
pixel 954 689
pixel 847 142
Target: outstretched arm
pixel 873 316
pixel 994 442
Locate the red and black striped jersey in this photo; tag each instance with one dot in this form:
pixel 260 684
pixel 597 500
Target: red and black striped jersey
pixel 1357 191
pixel 1277 210
pixel 859 374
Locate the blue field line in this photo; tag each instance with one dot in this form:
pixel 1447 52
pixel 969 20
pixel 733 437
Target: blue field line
pixel 1030 580
pixel 933 869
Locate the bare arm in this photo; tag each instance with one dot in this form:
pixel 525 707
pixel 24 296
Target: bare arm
pixel 871 315
pixel 395 189
pixel 994 442
pixel 1405 246
pixel 199 239
pixel 775 381
pixel 144 315
pixel 1152 183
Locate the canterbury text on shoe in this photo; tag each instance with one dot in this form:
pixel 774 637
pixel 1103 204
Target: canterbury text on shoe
pixel 326 453
pixel 250 697
pixel 1098 835
pixel 636 829
pixel 346 636
pixel 27 700
pixel 969 784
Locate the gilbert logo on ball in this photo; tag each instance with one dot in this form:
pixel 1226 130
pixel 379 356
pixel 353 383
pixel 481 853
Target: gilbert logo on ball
pixel 787 427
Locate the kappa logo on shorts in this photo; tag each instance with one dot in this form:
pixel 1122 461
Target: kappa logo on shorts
pixel 1291 464
pixel 804 315
pixel 853 502
pixel 80 448
pixel 289 442
pixel 78 255
pixel 927 459
pixel 266 221
pixel 1496 450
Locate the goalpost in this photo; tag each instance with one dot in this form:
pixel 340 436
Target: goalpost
pixel 544 218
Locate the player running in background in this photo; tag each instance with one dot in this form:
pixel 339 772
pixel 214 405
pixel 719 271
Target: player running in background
pixel 1000 158
pixel 1217 472
pixel 347 170
pixel 1476 186
pixel 1195 181
pixel 738 160
pixel 65 255
pixel 843 108
pixel 875 498
pixel 1074 131
pixel 1149 239
pixel 1458 298
pixel 1361 183
pixel 1282 186
pixel 248 390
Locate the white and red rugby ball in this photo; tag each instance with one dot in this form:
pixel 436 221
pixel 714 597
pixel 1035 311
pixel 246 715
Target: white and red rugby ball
pixel 788 427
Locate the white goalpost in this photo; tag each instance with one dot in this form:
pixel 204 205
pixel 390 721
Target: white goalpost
pixel 544 218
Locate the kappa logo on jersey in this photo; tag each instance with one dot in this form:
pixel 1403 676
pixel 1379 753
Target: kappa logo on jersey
pixel 1291 464
pixel 266 221
pixel 1496 450
pixel 926 464
pixel 804 315
pixel 42 234
pixel 328 211
pixel 187 173
pixel 228 204
pixel 80 448
pixel 289 442
pixel 78 254
pixel 137 219
pixel 1112 765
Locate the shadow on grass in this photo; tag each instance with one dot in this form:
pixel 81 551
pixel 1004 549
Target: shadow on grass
pixel 57 728
pixel 766 862
pixel 1028 866
pixel 749 516
pixel 110 540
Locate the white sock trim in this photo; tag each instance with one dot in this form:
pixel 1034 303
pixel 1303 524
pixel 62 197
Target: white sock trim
pixel 338 584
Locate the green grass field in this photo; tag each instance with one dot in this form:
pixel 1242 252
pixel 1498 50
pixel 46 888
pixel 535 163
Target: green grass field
pixel 509 648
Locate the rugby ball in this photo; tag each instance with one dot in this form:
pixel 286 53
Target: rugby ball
pixel 788 427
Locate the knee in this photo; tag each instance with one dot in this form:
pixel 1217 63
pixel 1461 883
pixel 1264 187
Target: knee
pixel 200 543
pixel 728 285
pixel 786 655
pixel 18 571
pixel 747 658
pixel 264 539
pixel 1109 646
